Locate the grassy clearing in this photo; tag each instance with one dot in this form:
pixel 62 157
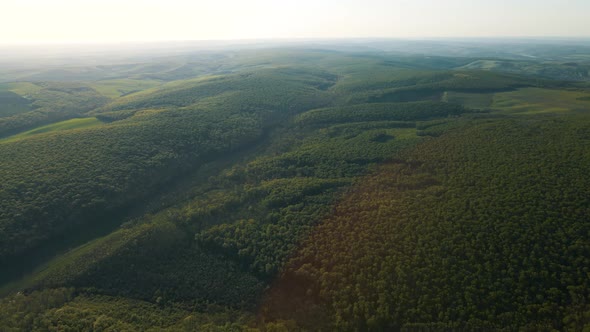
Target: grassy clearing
pixel 118 88
pixel 483 65
pixel 21 88
pixel 403 133
pixel 535 100
pixel 524 101
pixel 471 100
pixel 59 126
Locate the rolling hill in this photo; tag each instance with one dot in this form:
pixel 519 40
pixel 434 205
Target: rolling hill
pixel 289 189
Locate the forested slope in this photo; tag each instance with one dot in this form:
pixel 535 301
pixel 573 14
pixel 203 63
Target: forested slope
pixel 46 102
pixel 298 190
pixel 55 181
pixel 481 228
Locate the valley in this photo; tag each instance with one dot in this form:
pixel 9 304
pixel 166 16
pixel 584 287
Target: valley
pixel 297 188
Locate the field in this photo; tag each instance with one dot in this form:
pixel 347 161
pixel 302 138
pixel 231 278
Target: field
pixel 121 87
pixel 524 101
pixel 576 69
pixel 21 88
pixel 534 100
pixel 471 100
pixel 55 127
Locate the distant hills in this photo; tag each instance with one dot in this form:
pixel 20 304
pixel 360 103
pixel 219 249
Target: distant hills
pixel 370 185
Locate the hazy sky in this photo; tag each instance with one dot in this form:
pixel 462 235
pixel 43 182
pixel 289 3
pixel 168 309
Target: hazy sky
pixel 26 21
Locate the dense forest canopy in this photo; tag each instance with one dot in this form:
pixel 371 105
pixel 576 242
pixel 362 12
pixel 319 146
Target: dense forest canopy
pixel 374 186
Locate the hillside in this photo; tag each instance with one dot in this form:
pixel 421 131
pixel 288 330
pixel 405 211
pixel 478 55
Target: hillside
pixel 290 189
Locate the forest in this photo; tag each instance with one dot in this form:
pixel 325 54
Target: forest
pixel 301 188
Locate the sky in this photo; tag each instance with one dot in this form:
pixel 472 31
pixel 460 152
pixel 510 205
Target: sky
pixel 98 21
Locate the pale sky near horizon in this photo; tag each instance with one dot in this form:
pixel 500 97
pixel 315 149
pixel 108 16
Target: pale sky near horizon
pixel 48 21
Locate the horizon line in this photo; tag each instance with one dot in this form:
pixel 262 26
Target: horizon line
pixel 287 39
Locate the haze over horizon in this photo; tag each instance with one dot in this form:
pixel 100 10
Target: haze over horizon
pixel 91 21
